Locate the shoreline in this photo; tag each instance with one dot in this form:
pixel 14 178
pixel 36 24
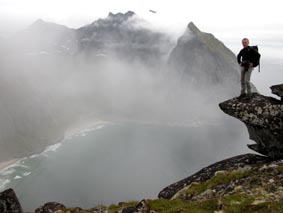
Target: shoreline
pixel 81 127
pixel 6 164
pixel 72 130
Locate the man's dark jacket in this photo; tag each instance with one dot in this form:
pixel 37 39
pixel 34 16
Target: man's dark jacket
pixel 248 54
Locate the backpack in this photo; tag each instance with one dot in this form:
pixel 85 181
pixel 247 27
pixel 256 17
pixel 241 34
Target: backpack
pixel 256 57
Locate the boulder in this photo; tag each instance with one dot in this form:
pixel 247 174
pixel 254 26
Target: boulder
pixel 9 202
pixel 50 207
pixel 230 164
pixel 277 90
pixel 263 117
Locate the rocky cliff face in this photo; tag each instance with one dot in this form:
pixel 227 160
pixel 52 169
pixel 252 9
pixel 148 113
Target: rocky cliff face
pixel 123 36
pixel 119 35
pixel 201 58
pixel 263 117
pixel 230 164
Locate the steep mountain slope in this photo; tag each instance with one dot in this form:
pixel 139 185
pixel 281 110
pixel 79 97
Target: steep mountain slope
pixel 47 83
pixel 200 58
pixel 45 38
pixel 124 36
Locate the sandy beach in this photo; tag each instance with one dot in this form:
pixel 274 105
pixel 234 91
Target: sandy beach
pixel 76 128
pixel 5 164
pixel 83 125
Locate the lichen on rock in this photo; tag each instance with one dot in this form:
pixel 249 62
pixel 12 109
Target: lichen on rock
pixel 263 117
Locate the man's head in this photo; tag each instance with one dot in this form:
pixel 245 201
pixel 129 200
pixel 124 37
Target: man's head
pixel 245 42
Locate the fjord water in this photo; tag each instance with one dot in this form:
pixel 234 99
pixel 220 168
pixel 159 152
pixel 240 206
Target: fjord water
pixel 120 161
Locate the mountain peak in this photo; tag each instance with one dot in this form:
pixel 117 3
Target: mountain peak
pixel 39 21
pixel 197 51
pixel 40 24
pixel 192 27
pixel 112 18
pixel 121 15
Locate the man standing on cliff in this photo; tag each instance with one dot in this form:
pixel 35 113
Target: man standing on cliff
pixel 247 61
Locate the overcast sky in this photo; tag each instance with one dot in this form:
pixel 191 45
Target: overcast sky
pixel 213 16
pixel 227 20
pixel 207 14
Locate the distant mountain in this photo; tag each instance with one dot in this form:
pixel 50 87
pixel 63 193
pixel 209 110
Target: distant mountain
pixel 46 38
pixel 201 58
pixel 124 36
pixel 29 119
pixel 45 85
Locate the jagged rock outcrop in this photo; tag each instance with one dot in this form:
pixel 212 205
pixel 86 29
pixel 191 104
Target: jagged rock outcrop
pixel 9 202
pixel 230 164
pixel 263 117
pixel 124 36
pixel 253 187
pixel 277 90
pixel 121 35
pixel 50 207
pixel 201 58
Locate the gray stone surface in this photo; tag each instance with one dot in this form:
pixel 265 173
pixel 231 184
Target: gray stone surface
pixel 263 117
pixel 9 202
pixel 277 90
pixel 206 173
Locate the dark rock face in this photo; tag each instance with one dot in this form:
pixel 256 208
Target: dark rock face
pixel 234 163
pixel 263 117
pixel 129 210
pixel 277 90
pixel 262 183
pixel 50 207
pixel 201 58
pixel 9 202
pixel 122 36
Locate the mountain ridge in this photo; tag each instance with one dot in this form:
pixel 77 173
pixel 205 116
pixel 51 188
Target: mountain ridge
pixel 53 79
pixel 219 65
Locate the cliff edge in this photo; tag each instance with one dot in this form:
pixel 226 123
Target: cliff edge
pixel 263 117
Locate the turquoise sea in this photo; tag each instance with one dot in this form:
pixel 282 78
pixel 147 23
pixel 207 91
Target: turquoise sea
pixel 120 161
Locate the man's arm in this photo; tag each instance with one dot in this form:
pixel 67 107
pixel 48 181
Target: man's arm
pixel 239 57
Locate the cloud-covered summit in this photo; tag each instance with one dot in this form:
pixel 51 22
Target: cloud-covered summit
pixel 120 35
pixel 114 67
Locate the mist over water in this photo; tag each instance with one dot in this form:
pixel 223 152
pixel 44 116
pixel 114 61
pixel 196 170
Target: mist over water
pixel 161 129
pixel 122 161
